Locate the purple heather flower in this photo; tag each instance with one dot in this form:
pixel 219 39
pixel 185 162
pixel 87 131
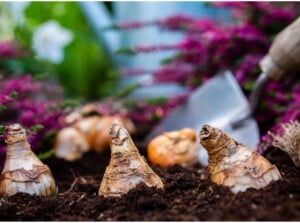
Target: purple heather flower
pixel 247 67
pixel 22 84
pixel 262 14
pixel 210 47
pixel 153 48
pixel 9 49
pixel 238 5
pixel 144 112
pixel 201 25
pixel 285 16
pixel 30 107
pixel 130 25
pixel 248 32
pixel 175 22
pixel 178 72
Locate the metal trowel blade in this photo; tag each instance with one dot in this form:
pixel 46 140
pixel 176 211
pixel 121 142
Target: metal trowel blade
pixel 217 102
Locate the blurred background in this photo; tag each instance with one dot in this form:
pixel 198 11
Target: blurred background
pixel 88 68
pixel 140 59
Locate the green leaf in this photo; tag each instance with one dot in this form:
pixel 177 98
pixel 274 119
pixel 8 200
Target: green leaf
pixel 130 104
pixel 13 94
pixel 166 61
pixel 111 27
pixel 127 51
pixel 36 128
pixel 155 117
pixel 157 101
pixel 249 86
pixel 71 103
pixel 207 4
pixel 46 155
pixel 2 130
pixel 127 90
pixel 2 108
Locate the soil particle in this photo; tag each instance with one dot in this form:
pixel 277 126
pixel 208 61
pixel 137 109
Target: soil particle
pixel 189 195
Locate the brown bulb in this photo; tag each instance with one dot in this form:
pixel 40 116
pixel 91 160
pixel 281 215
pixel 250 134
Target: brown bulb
pixel 175 147
pixel 23 171
pixel 70 144
pixel 234 165
pixel 289 140
pixel 127 168
pixel 96 130
pixel 87 133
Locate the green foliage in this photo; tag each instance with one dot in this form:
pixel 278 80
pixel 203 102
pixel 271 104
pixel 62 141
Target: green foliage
pixel 249 86
pixel 127 90
pixel 2 108
pixel 46 155
pixel 155 117
pixel 13 94
pixel 157 101
pixel 36 128
pixel 2 130
pixel 130 104
pixel 70 104
pixel 86 70
pixel 26 65
pixel 126 51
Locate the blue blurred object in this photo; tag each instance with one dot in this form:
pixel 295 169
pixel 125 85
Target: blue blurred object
pixel 99 17
pixel 148 11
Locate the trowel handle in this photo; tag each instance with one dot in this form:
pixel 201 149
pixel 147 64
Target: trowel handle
pixel 282 59
pixel 284 54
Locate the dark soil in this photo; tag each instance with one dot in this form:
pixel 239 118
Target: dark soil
pixel 189 195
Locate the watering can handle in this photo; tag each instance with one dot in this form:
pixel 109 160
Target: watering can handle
pixel 284 54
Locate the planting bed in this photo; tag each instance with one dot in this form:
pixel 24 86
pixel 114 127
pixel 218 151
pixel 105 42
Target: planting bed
pixel 189 195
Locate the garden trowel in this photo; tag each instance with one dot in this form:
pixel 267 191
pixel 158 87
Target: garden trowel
pixel 221 103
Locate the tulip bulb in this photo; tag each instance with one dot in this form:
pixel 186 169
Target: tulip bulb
pixel 234 165
pixel 70 144
pixel 127 168
pixel 87 133
pixel 96 128
pixel 176 147
pixel 23 171
pixel 80 112
pixel 289 141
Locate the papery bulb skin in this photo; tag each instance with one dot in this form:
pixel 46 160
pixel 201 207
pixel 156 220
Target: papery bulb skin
pixel 289 141
pixel 234 165
pixel 23 171
pixel 87 133
pixel 175 147
pixel 127 168
pixel 96 130
pixel 70 144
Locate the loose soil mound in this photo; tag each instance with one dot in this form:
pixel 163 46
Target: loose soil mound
pixel 189 195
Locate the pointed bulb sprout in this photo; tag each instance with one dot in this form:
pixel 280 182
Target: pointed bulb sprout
pixel 289 141
pixel 234 165
pixel 175 147
pixel 127 168
pixel 23 171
